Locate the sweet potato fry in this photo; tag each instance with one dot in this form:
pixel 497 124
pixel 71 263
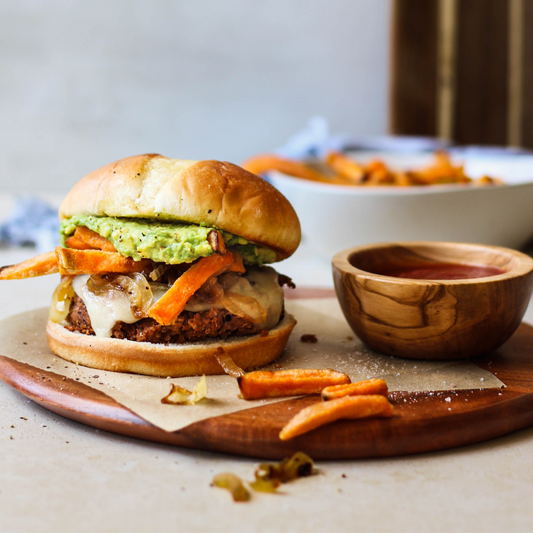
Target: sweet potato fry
pixel 322 413
pixel 238 263
pixel 76 244
pixel 441 171
pixel 166 310
pixel 85 238
pixel 487 180
pixel 379 174
pixel 368 386
pixel 265 163
pixel 346 167
pixel 346 171
pixel 293 382
pixel 40 265
pixel 74 262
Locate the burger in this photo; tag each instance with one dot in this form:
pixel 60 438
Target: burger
pixel 164 266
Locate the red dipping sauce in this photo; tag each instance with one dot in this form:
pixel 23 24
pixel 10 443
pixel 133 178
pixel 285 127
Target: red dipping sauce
pixel 443 271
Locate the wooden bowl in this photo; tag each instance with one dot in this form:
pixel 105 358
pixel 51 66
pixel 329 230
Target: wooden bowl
pixel 432 319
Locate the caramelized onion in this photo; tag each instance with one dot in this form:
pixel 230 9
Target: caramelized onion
pixel 99 284
pixel 228 280
pixel 179 395
pixel 211 291
pixel 233 484
pixel 134 285
pixel 159 271
pixel 61 299
pixel 238 304
pixel 245 307
pixel 141 294
pixel 228 364
pixel 156 286
pixel 299 465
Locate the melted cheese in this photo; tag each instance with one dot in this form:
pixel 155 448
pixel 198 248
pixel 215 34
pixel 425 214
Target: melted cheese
pixel 262 285
pixel 106 310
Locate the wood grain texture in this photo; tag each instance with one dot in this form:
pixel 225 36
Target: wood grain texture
pixel 423 422
pixel 489 106
pixel 432 319
pixel 527 76
pixel 414 67
pixel 482 85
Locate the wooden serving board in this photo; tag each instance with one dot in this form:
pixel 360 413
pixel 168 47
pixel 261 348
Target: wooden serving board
pixel 423 421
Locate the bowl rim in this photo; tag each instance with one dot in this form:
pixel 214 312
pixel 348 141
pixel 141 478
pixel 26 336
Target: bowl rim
pixel 341 261
pixel 389 190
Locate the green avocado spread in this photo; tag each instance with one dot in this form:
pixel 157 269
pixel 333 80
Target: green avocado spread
pixel 163 242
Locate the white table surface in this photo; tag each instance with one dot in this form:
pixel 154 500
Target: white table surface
pixel 60 476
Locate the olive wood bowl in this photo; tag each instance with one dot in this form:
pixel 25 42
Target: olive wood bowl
pixel 432 319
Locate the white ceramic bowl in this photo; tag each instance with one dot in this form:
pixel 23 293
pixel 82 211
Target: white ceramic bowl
pixel 337 217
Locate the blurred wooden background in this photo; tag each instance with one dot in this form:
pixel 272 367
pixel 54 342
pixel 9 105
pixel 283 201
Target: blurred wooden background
pixel 462 70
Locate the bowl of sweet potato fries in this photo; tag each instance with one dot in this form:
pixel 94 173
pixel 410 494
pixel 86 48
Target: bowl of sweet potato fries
pixel 347 200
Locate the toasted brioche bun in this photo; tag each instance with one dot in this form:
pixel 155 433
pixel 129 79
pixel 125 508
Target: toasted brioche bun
pixel 212 193
pixel 174 360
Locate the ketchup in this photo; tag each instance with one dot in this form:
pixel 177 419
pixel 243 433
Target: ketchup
pixel 442 271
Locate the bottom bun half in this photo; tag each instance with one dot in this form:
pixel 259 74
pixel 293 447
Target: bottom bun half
pixel 174 360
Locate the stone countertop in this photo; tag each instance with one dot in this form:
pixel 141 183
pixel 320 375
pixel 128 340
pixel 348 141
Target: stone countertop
pixel 58 475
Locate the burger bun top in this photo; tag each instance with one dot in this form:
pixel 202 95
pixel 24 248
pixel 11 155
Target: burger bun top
pixel 212 193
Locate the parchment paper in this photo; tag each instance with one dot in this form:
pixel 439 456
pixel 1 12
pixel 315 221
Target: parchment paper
pixel 23 337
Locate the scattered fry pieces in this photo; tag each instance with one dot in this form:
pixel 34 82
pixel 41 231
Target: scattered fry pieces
pixel 85 238
pixel 309 337
pixel 233 484
pixel 368 386
pixel 293 382
pixel 180 396
pixel 74 262
pixel 167 309
pixel 40 265
pixel 338 168
pixel 322 413
pixel 228 364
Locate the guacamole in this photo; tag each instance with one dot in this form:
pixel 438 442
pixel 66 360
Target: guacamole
pixel 163 242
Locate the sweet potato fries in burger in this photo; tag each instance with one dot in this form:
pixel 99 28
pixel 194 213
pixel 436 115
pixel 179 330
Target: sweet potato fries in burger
pixel 162 265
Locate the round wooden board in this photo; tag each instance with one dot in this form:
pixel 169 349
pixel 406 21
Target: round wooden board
pixel 423 421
